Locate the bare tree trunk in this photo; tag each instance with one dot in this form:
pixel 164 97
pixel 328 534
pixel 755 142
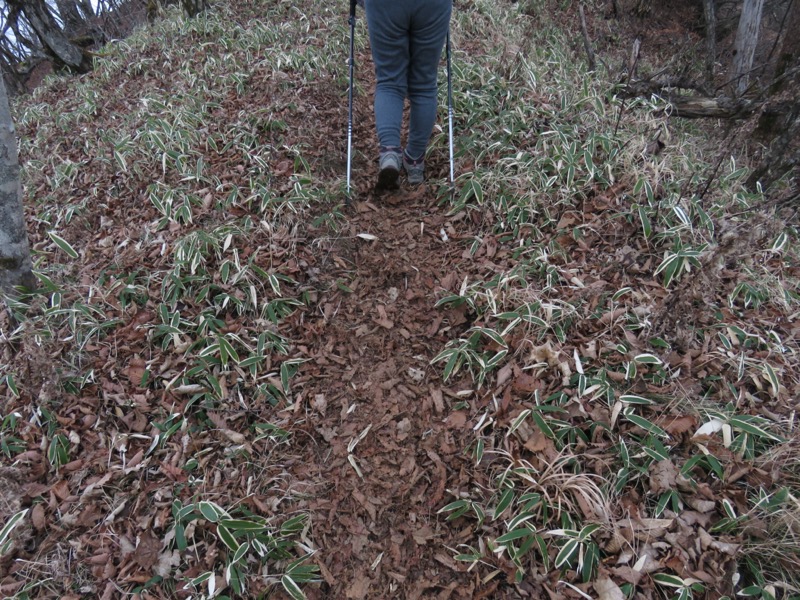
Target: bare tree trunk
pixel 782 133
pixel 194 7
pixel 25 42
pixel 86 9
pixel 41 19
pixel 711 41
pixel 746 39
pixel 789 53
pixel 15 258
pixel 70 17
pixel 779 160
pixel 8 68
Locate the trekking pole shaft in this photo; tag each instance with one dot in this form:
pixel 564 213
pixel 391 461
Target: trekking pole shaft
pixel 351 64
pixel 450 108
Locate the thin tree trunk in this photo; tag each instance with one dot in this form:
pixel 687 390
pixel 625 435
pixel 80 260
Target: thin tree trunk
pixel 746 40
pixel 779 160
pixel 70 17
pixel 24 42
pixel 10 75
pixel 711 41
pixel 781 133
pixel 15 258
pixel 192 8
pixel 789 53
pixel 86 9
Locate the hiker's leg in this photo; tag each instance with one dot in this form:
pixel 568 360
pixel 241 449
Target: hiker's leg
pixel 429 24
pixel 388 22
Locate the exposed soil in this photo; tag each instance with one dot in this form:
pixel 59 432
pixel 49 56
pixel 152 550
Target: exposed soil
pixel 369 376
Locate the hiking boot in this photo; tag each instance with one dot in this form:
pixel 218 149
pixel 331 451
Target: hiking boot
pixel 415 169
pixel 389 170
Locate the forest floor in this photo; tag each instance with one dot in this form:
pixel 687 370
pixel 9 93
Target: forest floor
pixel 232 380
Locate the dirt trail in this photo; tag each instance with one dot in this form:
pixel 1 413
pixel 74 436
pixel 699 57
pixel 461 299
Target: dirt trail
pixel 385 442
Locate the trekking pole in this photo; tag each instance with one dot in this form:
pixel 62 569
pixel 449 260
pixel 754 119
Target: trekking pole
pixel 351 63
pixel 450 112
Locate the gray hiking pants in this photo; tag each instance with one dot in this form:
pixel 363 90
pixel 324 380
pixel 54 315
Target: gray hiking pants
pixel 407 38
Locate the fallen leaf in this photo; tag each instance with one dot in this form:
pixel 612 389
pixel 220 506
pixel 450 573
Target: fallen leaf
pixel 607 589
pixel 677 425
pixel 538 441
pixel 320 403
pixel 359 588
pixel 234 436
pixel 700 505
pixel 422 535
pixel 663 476
pixel 147 551
pixel 38 517
pixel 713 426
pixel 61 490
pixel 33 490
pixel 456 420
pixel 136 370
pixel 403 429
pixel 438 400
pixel 525 383
pixel 167 563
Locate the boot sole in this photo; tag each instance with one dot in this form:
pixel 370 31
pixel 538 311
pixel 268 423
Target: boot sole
pixel 387 180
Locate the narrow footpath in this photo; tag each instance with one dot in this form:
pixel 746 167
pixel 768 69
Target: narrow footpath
pixel 383 443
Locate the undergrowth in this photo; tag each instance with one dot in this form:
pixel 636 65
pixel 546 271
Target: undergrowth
pixel 635 253
pixel 634 341
pixel 191 219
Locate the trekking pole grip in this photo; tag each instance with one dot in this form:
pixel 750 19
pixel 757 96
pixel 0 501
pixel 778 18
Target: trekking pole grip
pixel 353 8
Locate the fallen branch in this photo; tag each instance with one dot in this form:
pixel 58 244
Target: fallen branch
pixel 692 107
pixel 695 107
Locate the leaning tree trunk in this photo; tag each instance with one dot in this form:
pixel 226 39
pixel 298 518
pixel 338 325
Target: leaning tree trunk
pixel 86 9
pixel 15 258
pixel 70 16
pixel 50 34
pixel 744 48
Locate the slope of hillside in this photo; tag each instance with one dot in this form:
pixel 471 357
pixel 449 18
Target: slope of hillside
pixel 576 375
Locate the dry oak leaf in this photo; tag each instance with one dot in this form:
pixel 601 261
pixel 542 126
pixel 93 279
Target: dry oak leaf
pixel 456 420
pixel 167 563
pixel 38 517
pixel 663 476
pixel 32 490
pixel 147 551
pixel 359 588
pixel 677 425
pixel 422 535
pixel 136 370
pixel 525 383
pixel 61 489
